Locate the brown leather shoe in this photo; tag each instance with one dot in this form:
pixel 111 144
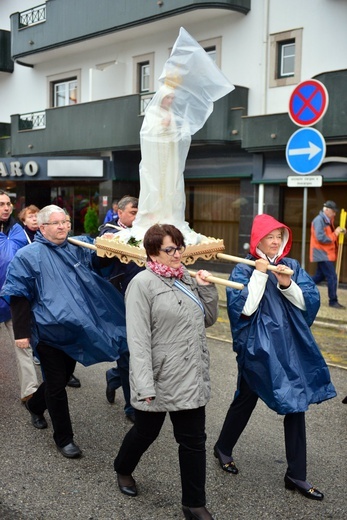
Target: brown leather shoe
pixel 26 398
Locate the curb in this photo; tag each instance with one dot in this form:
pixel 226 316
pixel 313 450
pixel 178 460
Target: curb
pixel 330 324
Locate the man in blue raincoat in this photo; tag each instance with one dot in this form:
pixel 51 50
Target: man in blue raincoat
pixel 278 358
pixel 64 308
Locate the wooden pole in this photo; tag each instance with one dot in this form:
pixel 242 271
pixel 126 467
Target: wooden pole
pixel 340 246
pixel 220 281
pixel 241 260
pixel 81 244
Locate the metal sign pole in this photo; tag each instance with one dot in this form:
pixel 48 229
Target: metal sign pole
pixel 304 220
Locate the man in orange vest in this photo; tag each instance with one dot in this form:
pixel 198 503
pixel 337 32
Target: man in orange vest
pixel 323 249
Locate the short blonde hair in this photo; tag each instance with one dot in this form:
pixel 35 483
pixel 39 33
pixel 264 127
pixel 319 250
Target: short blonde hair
pixel 26 211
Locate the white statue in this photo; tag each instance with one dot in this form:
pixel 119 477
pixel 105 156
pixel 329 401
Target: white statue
pixel 190 83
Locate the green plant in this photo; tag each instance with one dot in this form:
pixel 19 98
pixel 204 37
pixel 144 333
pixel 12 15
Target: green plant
pixel 133 242
pixel 91 221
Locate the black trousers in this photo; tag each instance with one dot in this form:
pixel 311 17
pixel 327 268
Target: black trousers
pixel 57 368
pixel 238 416
pixel 189 432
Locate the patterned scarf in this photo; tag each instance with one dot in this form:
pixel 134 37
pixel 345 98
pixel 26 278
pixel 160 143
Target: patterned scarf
pixel 165 270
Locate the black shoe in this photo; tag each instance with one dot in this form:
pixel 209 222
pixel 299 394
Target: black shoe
pixel 110 392
pixel 127 485
pixel 229 466
pixel 198 513
pixel 74 382
pixel 130 416
pixel 344 400
pixel 337 305
pixel 37 420
pixel 312 492
pixel 71 451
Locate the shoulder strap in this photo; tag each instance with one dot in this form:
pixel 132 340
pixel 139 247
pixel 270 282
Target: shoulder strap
pixel 189 293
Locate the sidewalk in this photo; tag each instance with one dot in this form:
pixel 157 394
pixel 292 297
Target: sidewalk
pixel 333 317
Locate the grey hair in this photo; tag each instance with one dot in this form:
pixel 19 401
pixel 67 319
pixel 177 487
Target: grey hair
pixel 124 201
pixel 44 214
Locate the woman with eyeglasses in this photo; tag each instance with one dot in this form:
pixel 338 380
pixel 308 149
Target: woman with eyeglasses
pixel 166 315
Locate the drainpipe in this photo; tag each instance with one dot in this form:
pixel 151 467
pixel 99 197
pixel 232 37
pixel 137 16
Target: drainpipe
pixel 265 82
pixel 261 199
pixel 90 96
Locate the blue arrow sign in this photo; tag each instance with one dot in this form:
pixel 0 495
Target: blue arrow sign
pixel 305 151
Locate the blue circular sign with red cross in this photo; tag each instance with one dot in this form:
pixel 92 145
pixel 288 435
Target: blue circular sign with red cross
pixel 308 103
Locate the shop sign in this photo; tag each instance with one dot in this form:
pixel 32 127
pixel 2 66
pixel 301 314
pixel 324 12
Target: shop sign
pixel 17 169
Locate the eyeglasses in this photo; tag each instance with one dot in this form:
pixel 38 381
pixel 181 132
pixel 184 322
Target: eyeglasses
pixel 56 223
pixel 172 250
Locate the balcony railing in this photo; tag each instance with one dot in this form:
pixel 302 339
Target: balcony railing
pixel 144 102
pixel 108 124
pixel 32 16
pixel 33 121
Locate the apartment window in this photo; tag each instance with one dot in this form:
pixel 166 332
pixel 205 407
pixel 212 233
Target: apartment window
pixel 143 78
pixel 143 73
pixel 64 93
pixel 64 89
pixel 285 58
pixel 213 49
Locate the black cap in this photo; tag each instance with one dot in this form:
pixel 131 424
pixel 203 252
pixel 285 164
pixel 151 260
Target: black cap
pixel 331 205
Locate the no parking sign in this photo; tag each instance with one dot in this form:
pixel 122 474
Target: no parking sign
pixel 308 103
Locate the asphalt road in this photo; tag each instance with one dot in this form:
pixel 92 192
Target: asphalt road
pixel 37 483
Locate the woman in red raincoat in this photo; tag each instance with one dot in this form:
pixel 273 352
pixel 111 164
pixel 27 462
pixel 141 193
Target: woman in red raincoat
pixel 278 358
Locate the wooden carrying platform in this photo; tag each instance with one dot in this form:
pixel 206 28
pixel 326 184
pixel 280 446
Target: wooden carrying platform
pixel 127 253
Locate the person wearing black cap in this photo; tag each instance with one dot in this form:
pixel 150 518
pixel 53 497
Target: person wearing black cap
pixel 323 249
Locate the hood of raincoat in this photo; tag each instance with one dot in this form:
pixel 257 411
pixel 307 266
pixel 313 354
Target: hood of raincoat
pixel 262 226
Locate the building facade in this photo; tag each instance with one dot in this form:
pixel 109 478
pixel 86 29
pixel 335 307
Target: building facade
pixel 75 77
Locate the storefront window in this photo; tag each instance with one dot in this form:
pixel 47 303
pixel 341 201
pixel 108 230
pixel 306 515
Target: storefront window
pixel 76 201
pixel 214 210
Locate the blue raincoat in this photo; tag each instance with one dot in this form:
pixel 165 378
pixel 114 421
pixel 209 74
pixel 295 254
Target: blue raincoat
pixel 276 351
pixel 72 307
pixel 9 245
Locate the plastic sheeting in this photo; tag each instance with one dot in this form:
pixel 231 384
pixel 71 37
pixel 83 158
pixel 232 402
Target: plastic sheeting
pixel 190 83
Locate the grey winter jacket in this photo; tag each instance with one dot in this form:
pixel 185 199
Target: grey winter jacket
pixel 169 359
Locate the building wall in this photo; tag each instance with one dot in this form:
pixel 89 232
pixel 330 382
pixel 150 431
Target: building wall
pixel 244 53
